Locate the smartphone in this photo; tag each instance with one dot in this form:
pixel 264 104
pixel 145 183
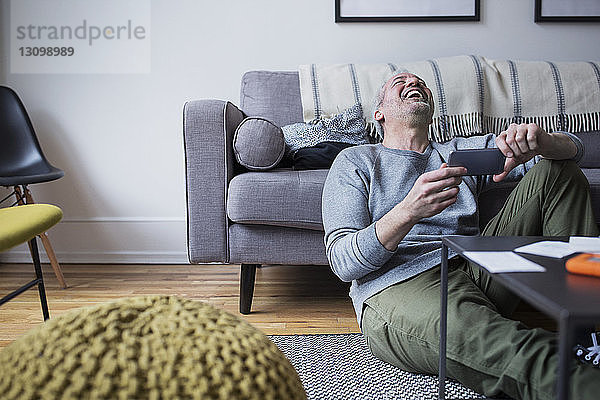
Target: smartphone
pixel 478 161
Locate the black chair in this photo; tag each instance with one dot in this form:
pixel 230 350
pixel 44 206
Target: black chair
pixel 22 161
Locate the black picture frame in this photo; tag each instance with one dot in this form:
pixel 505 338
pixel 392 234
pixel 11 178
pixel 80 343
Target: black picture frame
pixel 561 18
pixel 400 18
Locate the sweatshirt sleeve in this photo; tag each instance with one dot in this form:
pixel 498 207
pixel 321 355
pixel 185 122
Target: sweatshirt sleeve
pixel 352 246
pixel 579 144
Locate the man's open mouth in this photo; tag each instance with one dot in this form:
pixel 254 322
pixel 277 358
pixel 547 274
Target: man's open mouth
pixel 414 94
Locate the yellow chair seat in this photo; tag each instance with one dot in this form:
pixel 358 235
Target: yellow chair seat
pixel 22 223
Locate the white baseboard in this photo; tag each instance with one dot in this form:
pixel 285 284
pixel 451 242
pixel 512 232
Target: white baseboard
pixel 115 257
pixel 143 240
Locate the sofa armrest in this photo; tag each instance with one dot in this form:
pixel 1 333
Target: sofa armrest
pixel 208 128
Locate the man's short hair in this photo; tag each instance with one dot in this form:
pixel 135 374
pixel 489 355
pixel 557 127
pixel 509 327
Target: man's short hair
pixel 378 100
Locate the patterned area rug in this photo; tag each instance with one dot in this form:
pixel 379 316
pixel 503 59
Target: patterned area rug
pixel 342 367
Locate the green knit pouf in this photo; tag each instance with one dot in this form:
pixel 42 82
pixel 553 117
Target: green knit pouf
pixel 154 347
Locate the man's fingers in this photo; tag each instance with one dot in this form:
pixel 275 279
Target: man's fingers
pixel 509 164
pixel 500 177
pixel 443 173
pixel 447 194
pixel 437 202
pixel 521 138
pixel 442 205
pixel 448 203
pixel 532 140
pixel 431 189
pixel 503 146
pixel 511 141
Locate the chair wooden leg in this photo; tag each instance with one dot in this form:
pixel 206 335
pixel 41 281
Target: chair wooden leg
pixel 45 241
pixel 53 260
pixel 247 276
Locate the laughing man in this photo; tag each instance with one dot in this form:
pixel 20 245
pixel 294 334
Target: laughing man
pixel 385 208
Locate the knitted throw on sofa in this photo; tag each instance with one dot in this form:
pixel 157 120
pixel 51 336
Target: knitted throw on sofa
pixel 473 95
pixel 153 347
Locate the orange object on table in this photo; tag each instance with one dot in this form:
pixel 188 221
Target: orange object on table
pixel 584 264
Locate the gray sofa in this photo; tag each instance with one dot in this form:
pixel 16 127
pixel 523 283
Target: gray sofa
pixel 273 217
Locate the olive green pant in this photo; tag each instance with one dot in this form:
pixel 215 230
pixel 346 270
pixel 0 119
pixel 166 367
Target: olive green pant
pixel 487 351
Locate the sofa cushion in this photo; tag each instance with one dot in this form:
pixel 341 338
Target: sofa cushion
pixel 258 144
pixel 293 198
pixel 272 95
pixel 279 197
pixel 593 177
pixel 492 200
pixel 287 246
pixel 591 143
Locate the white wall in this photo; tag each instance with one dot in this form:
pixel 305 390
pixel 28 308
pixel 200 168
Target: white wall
pixel 119 137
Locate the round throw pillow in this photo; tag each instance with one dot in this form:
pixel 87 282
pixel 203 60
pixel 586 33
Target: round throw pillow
pixel 147 348
pixel 258 144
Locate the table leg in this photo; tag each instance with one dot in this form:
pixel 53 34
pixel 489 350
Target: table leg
pixel 443 320
pixel 564 356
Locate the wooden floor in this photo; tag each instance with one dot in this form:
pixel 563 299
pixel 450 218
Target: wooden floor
pixel 287 299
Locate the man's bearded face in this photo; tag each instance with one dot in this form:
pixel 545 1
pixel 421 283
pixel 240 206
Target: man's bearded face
pixel 408 97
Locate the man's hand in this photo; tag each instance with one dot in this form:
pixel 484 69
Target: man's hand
pixel 520 143
pixel 433 192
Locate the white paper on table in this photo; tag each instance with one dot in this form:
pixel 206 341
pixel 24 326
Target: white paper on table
pixel 503 261
pixel 548 248
pixel 585 244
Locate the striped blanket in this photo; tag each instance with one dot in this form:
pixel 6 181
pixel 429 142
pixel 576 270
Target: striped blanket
pixel 473 95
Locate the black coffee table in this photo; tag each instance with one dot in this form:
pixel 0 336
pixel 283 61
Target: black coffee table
pixel 570 299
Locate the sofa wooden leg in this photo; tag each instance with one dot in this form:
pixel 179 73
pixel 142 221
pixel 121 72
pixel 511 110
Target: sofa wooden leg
pixel 247 275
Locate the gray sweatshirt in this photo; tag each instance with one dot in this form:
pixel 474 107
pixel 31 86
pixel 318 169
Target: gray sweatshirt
pixel 365 182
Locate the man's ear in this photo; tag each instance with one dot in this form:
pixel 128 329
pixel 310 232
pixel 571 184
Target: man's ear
pixel 378 116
